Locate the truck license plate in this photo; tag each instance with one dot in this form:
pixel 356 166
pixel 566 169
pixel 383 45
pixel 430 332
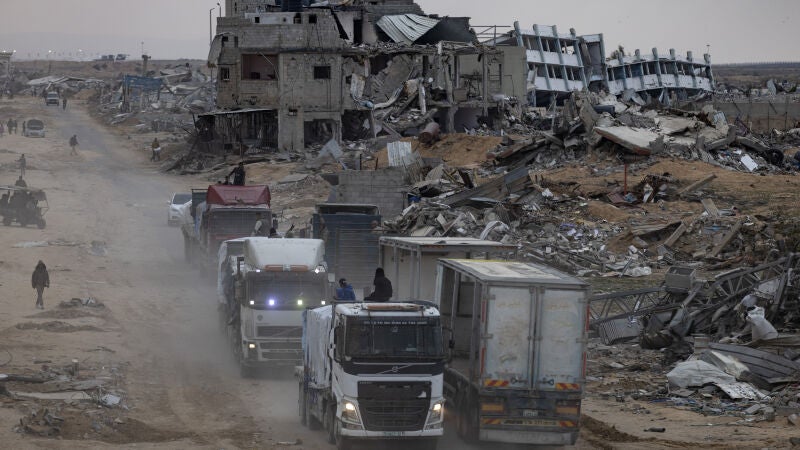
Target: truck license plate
pixel 392 433
pixel 530 413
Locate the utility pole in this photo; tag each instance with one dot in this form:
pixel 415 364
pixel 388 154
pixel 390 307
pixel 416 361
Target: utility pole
pixel 210 36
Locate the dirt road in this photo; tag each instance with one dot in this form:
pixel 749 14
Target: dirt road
pixel 155 341
pixel 156 338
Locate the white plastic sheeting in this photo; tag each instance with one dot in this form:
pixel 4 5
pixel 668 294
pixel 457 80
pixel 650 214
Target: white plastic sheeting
pixel 261 251
pixel 316 340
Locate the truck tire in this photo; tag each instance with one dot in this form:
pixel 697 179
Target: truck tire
pixel 342 443
pixel 301 404
pixel 467 425
pixel 187 249
pixel 312 422
pixel 41 224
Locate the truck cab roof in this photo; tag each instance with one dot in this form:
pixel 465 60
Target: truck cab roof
pixel 283 255
pixel 512 272
pixel 386 309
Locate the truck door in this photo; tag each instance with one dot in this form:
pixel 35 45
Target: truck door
pixel 506 354
pixel 561 325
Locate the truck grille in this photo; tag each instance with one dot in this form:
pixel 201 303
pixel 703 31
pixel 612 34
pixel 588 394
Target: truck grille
pixel 279 332
pixel 394 415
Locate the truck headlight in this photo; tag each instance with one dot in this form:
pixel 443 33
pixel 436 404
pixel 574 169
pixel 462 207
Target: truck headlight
pixel 350 413
pixel 299 302
pixel 437 411
pixel 251 346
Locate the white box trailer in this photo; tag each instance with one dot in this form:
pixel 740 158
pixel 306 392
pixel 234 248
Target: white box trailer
pixel 517 339
pixel 410 262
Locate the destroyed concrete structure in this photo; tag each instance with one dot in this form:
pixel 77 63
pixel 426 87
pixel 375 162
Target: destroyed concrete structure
pixel 5 63
pixel 559 64
pixel 291 79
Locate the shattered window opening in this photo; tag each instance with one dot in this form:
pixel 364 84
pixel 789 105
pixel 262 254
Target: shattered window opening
pixel 322 72
pixel 225 73
pixel 259 67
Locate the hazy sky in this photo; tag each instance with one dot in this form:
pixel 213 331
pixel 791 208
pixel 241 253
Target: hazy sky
pixel 736 30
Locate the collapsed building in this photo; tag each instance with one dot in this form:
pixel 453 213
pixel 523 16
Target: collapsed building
pixel 292 76
pixel 560 63
pixel 5 63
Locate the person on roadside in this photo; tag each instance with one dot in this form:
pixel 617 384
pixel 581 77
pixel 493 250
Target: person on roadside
pixel 24 127
pixel 40 280
pixel 238 174
pixel 64 103
pixel 2 129
pixel 345 291
pixel 23 164
pixel 156 147
pixel 273 233
pixel 15 126
pixel 383 288
pixel 10 126
pixel 260 228
pixel 73 142
pixel 20 182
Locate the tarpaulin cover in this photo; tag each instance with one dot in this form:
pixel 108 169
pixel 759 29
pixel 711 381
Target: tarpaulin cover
pixel 316 340
pixel 225 194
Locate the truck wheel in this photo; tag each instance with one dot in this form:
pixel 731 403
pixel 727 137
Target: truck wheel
pixel 187 248
pixel 6 220
pixel 330 423
pixel 342 443
pixel 313 422
pixel 301 404
pixel 41 224
pixel 467 420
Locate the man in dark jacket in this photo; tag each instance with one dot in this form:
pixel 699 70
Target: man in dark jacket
pixel 383 288
pixel 40 280
pixel 238 175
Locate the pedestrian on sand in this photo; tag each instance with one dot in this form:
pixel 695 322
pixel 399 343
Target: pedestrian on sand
pixel 10 126
pixel 23 164
pixel 15 126
pixel 73 142
pixel 383 288
pixel 40 280
pixel 2 130
pixel 156 147
pixel 24 126
pixel 238 174
pixel 64 103
pixel 345 291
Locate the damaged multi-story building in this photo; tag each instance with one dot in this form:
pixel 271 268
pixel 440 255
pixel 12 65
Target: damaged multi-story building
pixel 560 63
pixel 294 75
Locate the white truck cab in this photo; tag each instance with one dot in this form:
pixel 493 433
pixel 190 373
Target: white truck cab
pixel 373 371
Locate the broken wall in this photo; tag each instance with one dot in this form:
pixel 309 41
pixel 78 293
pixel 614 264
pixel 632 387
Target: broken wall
pixel 385 188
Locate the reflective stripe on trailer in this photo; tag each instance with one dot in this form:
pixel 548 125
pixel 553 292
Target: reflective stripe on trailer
pixel 568 387
pixel 528 422
pixel 496 383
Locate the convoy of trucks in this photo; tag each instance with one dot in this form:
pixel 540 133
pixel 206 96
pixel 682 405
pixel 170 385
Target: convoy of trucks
pixel 500 343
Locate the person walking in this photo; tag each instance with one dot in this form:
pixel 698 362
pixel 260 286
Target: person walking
pixel 64 103
pixel 73 142
pixel 2 129
pixel 23 164
pixel 40 280
pixel 24 126
pixel 259 229
pixel 345 291
pixel 238 175
pixel 156 147
pixel 383 288
pixel 10 126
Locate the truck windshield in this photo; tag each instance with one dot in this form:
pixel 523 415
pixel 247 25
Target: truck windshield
pixel 296 293
pixel 382 337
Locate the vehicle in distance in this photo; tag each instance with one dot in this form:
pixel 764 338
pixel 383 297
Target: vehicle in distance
pixel 34 128
pixel 52 98
pixel 175 213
